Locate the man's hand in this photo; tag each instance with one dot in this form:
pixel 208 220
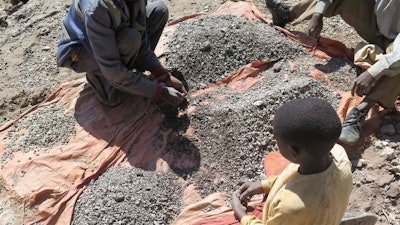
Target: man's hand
pixel 363 84
pixel 175 83
pixel 162 75
pixel 172 96
pixel 238 208
pixel 248 189
pixel 315 25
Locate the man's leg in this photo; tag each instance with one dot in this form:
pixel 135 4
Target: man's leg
pixel 157 17
pixel 129 41
pixel 385 92
pixel 303 10
pixel 105 92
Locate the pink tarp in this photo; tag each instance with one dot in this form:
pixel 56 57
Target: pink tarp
pixel 49 183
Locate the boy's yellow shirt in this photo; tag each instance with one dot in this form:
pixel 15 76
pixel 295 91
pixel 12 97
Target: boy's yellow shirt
pixel 315 199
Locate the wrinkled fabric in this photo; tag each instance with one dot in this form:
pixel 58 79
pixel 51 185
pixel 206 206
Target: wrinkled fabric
pixel 126 135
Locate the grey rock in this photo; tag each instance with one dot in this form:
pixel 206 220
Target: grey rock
pixel 388 129
pixel 388 153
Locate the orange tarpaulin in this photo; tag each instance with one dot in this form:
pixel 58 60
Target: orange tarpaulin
pixel 48 184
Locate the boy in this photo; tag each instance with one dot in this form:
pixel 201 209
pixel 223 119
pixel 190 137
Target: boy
pixel 315 188
pixel 108 39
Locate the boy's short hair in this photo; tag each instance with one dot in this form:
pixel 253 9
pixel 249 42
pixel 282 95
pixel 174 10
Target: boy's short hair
pixel 309 123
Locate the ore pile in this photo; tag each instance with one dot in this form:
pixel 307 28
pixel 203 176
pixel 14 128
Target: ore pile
pixel 129 196
pixel 207 49
pixel 46 127
pixel 235 134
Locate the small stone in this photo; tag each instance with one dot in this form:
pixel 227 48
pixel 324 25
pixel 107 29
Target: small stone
pixel 119 198
pixel 361 163
pixel 206 47
pixel 395 162
pixel 277 67
pixel 388 153
pixel 3 22
pixel 395 169
pixel 388 129
pixel 384 180
pixel 258 103
pixel 46 48
pixel 394 190
pixel 378 144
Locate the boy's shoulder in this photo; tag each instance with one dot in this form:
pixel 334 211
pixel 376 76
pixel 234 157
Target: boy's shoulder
pixel 341 159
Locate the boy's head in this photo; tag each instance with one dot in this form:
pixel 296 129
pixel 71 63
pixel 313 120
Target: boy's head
pixel 309 125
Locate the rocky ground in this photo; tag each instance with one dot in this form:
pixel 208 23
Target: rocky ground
pixel 232 130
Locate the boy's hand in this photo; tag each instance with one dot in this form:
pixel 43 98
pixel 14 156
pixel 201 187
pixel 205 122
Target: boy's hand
pixel 315 25
pixel 248 189
pixel 363 84
pixel 238 208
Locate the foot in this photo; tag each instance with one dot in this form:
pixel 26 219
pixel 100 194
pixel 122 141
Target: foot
pixel 105 92
pixel 352 125
pixel 279 11
pixel 350 218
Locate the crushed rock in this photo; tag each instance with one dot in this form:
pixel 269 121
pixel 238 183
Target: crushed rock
pixel 129 196
pixel 205 50
pixel 43 129
pixel 234 135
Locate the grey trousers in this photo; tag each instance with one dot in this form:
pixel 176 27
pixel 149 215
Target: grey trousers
pixel 357 13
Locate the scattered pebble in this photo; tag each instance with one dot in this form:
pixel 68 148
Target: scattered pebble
pixel 388 153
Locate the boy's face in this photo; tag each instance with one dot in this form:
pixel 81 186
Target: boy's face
pixel 285 149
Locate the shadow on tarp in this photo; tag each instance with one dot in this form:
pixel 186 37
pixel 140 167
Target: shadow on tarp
pixel 134 128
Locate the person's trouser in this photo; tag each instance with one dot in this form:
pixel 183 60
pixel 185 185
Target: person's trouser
pixel 357 13
pixel 129 43
pixel 361 16
pixel 387 89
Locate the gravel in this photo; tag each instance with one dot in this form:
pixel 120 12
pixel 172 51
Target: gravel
pixel 129 196
pixel 46 127
pixel 234 134
pixel 207 49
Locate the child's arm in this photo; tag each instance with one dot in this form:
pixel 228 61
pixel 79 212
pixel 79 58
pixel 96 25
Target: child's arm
pixel 248 189
pixel 238 206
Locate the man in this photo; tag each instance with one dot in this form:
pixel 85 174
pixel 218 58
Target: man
pixel 376 22
pixel 114 40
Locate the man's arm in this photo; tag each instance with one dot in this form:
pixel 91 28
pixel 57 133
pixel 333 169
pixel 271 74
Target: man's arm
pixel 316 22
pixel 146 57
pixel 105 49
pixel 322 5
pixel 388 62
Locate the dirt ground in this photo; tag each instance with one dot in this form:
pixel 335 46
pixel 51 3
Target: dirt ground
pixel 236 129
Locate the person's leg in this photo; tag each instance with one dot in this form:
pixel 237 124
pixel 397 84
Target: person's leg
pixel 363 19
pixel 157 17
pixel 129 41
pixel 303 10
pixel 385 92
pixel 105 92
